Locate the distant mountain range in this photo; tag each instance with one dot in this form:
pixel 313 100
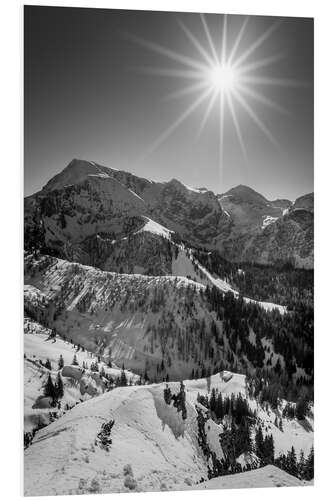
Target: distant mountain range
pixel 88 208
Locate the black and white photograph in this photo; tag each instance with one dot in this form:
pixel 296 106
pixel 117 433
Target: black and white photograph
pixel 168 339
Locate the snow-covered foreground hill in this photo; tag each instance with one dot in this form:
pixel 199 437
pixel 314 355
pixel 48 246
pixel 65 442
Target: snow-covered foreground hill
pixel 265 477
pixel 153 447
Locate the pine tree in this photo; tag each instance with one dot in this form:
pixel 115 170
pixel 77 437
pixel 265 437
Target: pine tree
pixel 309 466
pixel 123 378
pixel 301 465
pixel 167 395
pixel 60 362
pixel 48 364
pixel 292 462
pixel 75 362
pixel 59 387
pixel 259 440
pixel 49 389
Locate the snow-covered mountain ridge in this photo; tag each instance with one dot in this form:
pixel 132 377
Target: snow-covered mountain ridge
pixel 163 324
pixel 153 447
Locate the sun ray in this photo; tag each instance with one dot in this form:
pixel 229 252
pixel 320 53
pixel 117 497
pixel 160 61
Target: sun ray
pixel 209 38
pixel 237 126
pixel 208 111
pixel 282 82
pixel 186 90
pixel 260 63
pixel 238 40
pixel 220 73
pixel 170 72
pixel 221 142
pixel 189 110
pixel 264 100
pixel 256 44
pixel 224 40
pixel 256 119
pixel 188 61
pixel 196 43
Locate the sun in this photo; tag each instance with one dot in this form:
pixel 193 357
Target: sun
pixel 223 78
pixel 222 75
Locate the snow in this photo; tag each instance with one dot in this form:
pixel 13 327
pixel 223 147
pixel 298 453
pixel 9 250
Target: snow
pixel 194 190
pixel 266 477
pixel 268 220
pixel 131 191
pixel 39 347
pixel 184 265
pixel 150 438
pixel 268 306
pixel 148 435
pixel 102 175
pixel 155 228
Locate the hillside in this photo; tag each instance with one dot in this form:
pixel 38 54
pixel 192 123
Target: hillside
pixel 153 447
pixel 144 320
pixel 266 477
pixel 40 347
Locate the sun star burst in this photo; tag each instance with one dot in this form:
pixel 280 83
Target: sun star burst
pixel 219 77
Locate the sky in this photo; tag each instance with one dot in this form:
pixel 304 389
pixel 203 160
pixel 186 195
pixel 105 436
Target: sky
pixel 94 90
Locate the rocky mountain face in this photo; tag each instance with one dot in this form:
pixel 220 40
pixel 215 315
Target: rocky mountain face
pixel 82 212
pixel 268 232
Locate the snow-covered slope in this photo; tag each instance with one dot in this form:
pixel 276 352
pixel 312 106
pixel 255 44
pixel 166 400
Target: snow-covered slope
pixel 136 319
pixel 186 265
pixel 148 436
pixel 40 346
pixel 266 477
pixel 153 447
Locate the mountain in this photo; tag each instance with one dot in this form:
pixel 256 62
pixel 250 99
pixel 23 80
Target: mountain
pixel 87 199
pixel 250 210
pixel 87 202
pixel 268 232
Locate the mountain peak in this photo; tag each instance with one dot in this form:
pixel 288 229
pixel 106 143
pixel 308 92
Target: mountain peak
pixel 76 171
pixel 245 193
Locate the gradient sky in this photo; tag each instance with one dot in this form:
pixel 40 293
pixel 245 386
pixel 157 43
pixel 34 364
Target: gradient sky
pixel 85 96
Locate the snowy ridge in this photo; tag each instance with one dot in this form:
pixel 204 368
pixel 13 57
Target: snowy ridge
pixel 185 265
pixel 266 477
pixel 155 228
pixel 149 438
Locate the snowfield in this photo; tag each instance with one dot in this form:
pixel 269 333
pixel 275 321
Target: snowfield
pixel 266 477
pixel 152 448
pixel 155 228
